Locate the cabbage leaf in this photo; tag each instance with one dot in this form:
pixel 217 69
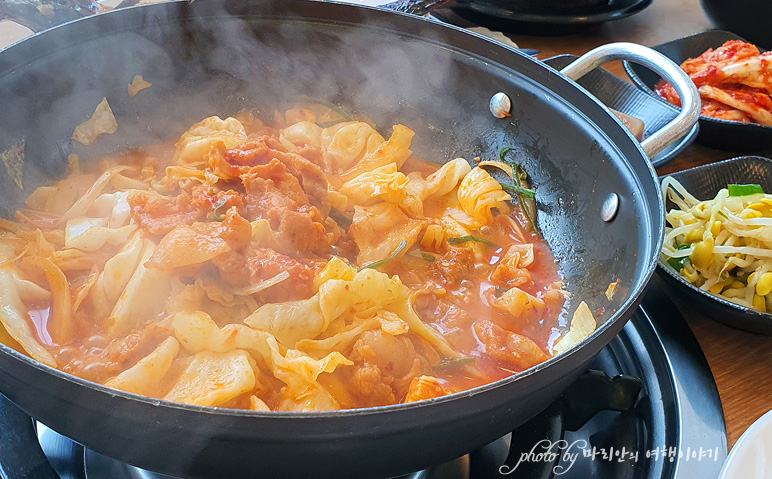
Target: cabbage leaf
pixel 149 371
pixel 144 297
pixel 479 193
pixel 194 145
pixel 583 324
pixel 378 230
pixel 212 379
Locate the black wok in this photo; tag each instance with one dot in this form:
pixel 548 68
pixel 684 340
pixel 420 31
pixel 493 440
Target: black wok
pixel 216 57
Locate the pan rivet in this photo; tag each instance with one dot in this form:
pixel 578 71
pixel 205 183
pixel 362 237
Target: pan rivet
pixel 610 207
pixel 500 105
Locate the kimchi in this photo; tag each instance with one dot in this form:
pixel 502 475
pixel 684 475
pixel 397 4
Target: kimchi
pixel 734 81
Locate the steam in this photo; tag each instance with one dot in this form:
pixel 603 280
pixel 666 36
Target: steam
pixel 222 60
pixel 205 59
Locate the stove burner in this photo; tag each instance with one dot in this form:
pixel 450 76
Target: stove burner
pixel 648 397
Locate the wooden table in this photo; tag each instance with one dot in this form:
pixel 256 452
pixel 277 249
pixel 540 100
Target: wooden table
pixel 741 362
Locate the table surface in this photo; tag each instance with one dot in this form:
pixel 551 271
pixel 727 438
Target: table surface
pixel 741 362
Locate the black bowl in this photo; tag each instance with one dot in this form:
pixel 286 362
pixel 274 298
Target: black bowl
pixel 704 182
pixel 749 18
pixel 620 95
pixel 548 18
pixel 555 6
pixel 721 134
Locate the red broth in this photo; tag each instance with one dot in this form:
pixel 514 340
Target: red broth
pixel 242 216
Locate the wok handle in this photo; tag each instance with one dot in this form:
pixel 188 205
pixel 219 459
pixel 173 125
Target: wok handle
pixel 690 97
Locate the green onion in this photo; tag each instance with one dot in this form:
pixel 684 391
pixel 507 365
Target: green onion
pixel 340 218
pixel 519 172
pixel 503 152
pixel 467 238
pixel 375 264
pixel 420 254
pixel 452 363
pixel 723 214
pixel 519 190
pixel 745 190
pixel 679 263
pixel 520 175
pixel 215 215
pixel 527 212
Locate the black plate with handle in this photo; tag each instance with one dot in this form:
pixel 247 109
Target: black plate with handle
pixel 721 134
pixel 704 182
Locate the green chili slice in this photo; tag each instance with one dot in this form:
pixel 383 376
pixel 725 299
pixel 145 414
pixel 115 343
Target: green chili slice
pixel 215 215
pixel 745 190
pixel 452 363
pixel 376 264
pixel 467 238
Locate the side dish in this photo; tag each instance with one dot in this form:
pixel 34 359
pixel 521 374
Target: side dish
pixel 311 264
pixel 734 80
pixel 723 245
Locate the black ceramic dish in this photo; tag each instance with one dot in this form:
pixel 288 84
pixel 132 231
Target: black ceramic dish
pixel 621 96
pixel 721 134
pixel 704 182
pixel 551 7
pixel 550 19
pixel 749 18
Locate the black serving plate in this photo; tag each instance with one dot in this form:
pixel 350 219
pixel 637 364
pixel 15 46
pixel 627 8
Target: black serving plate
pixel 549 18
pixel 704 182
pixel 721 134
pixel 749 18
pixel 620 95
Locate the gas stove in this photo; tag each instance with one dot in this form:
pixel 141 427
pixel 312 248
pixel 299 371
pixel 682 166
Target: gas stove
pixel 647 408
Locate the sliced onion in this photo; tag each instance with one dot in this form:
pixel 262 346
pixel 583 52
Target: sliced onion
pixel 502 166
pixel 263 285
